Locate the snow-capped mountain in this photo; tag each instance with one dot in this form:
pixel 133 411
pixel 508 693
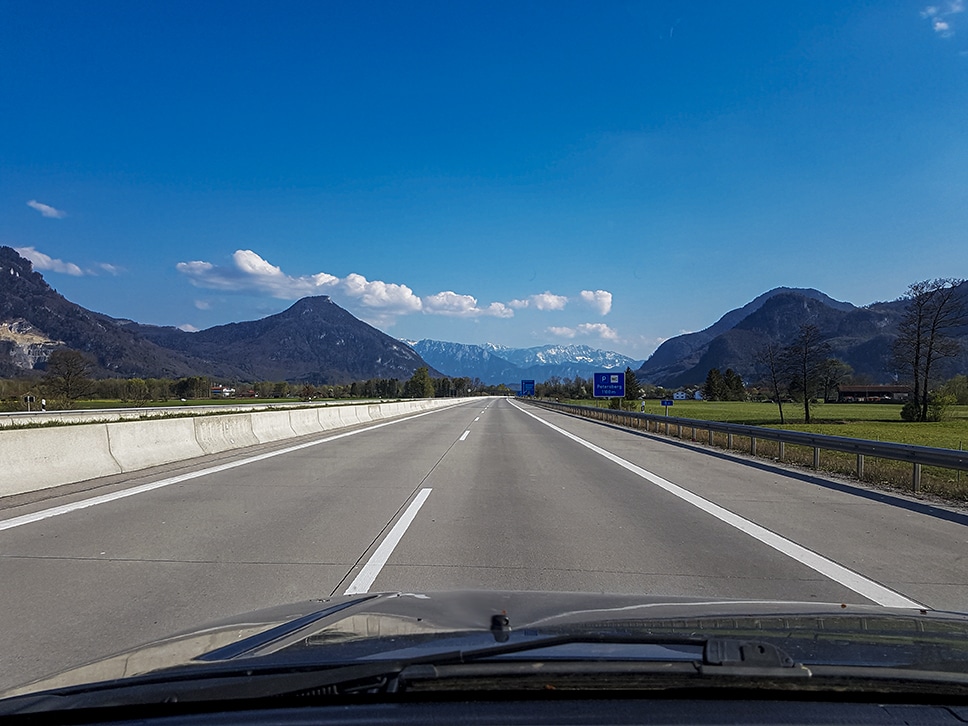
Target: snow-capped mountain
pixel 495 364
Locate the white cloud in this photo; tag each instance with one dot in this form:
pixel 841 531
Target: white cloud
pixel 203 305
pixel 937 14
pixel 45 262
pixel 252 273
pixel 498 310
pixel 46 210
pixel 109 268
pixel 465 306
pixel 386 296
pixel 188 328
pixel 542 301
pixel 600 330
pixel 549 301
pixel 587 330
pixel 601 300
pixel 380 301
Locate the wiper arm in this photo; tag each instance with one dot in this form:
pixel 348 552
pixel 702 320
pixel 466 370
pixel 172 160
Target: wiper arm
pixel 245 680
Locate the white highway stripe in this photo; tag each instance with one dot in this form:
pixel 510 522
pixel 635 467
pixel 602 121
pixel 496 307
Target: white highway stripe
pixel 465 435
pixel 838 573
pixel 105 498
pixel 379 558
pixel 477 419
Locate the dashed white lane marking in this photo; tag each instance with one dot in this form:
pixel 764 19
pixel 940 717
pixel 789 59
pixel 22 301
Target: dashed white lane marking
pixel 465 435
pixel 838 573
pixel 379 558
pixel 477 419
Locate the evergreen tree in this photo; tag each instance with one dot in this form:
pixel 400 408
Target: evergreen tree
pixel 714 389
pixel 632 388
pixel 733 389
pixel 420 384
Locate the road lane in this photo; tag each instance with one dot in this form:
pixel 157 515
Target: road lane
pixel 913 547
pixel 521 507
pixel 506 503
pixel 289 528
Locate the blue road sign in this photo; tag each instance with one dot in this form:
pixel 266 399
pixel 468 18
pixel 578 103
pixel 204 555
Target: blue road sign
pixel 527 388
pixel 609 385
pixel 666 402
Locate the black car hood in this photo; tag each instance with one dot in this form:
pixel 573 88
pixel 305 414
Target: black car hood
pixel 334 629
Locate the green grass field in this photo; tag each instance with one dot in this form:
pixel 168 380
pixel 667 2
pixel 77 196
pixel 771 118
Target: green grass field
pixel 874 421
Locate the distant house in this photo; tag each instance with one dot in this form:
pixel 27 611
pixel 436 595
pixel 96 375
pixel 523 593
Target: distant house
pixel 680 396
pixel 221 392
pixel 872 394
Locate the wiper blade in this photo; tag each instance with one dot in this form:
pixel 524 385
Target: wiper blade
pixel 247 680
pixel 723 652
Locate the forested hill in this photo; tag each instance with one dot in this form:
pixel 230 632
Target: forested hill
pixel 859 336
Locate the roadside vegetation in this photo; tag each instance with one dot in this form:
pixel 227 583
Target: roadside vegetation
pixel 67 385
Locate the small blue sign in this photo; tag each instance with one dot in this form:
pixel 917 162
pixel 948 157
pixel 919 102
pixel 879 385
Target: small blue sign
pixel 609 385
pixel 666 402
pixel 527 388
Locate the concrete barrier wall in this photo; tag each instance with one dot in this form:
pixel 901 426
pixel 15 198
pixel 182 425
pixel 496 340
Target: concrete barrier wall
pixel 35 459
pixel 305 421
pixel 271 426
pixel 223 433
pixel 138 445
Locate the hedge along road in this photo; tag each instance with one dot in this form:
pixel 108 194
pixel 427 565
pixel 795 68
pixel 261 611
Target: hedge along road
pixel 491 494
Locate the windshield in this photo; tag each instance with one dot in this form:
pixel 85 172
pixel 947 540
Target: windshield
pixel 324 300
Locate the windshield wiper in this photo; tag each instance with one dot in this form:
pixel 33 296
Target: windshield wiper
pixel 246 680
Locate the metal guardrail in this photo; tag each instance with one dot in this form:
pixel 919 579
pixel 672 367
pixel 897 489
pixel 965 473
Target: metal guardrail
pixel 917 456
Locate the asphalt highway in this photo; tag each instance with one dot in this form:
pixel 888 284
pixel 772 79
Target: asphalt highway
pixel 492 494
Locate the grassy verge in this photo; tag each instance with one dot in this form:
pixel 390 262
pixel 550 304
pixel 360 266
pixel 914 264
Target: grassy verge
pixel 875 422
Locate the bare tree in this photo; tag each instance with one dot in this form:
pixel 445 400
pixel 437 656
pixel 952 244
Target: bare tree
pixel 804 359
pixel 935 308
pixel 68 376
pixel 833 372
pixel 770 362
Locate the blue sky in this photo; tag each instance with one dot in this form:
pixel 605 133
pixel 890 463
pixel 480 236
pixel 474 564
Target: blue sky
pixel 515 172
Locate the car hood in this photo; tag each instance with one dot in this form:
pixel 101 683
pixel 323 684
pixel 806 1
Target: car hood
pixel 351 628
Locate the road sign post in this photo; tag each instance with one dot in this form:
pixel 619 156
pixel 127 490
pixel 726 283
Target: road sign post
pixel 666 404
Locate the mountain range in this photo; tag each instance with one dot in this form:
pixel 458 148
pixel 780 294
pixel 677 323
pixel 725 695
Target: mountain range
pixel 316 341
pixel 496 364
pixel 313 341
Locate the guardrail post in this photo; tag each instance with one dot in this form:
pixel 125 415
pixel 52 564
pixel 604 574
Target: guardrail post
pixel 679 430
pixel 916 479
pixel 693 433
pixel 752 446
pixel 782 451
pixel 860 466
pixel 816 457
pixel 729 441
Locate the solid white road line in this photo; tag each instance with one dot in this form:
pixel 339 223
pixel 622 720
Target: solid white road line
pixel 379 558
pixel 465 435
pixel 105 498
pixel 838 573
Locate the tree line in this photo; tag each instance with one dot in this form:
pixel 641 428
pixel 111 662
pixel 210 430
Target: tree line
pixel 69 379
